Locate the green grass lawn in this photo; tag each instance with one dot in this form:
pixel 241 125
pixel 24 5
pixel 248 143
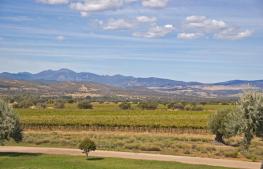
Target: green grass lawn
pixel 38 161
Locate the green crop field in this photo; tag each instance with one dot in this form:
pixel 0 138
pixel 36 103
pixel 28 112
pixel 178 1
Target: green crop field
pixel 38 161
pixel 110 115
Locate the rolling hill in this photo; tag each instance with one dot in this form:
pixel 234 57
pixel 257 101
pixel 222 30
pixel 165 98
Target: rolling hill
pixel 65 81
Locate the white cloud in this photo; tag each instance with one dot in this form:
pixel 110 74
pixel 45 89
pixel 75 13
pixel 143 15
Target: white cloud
pixel 145 19
pixel 83 13
pixel 114 24
pixel 205 24
pixel 188 36
pixel 53 2
pixel 233 34
pixel 60 38
pixel 154 3
pixel 89 6
pixel 218 28
pixel 195 18
pixel 156 31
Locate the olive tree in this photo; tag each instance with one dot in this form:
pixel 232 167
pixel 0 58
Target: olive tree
pixel 86 146
pixel 248 117
pixel 217 124
pixel 9 124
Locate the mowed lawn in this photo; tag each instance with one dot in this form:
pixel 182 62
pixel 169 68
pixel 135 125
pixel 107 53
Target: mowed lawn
pixel 39 161
pixel 110 115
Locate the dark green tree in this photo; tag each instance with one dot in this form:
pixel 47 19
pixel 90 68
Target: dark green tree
pixel 86 146
pixel 125 105
pixel 85 105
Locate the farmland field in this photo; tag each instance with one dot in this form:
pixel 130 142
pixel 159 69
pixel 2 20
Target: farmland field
pixel 164 131
pixel 109 115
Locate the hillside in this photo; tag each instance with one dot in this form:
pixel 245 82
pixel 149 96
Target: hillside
pixel 68 82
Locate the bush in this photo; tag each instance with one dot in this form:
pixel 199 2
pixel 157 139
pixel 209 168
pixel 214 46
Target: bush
pixel 178 106
pixel 59 104
pixel 23 104
pixel 197 108
pixel 87 145
pixel 85 105
pixel 232 154
pixel 42 105
pixel 125 105
pixel 188 107
pixel 148 105
pixel 70 101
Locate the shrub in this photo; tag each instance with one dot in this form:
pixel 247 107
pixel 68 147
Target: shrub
pixel 85 105
pixel 42 105
pixel 188 107
pixel 150 148
pixel 23 104
pixel 70 101
pixel 125 105
pixel 178 106
pixel 86 146
pixel 59 104
pixel 232 154
pixel 197 108
pixel 148 105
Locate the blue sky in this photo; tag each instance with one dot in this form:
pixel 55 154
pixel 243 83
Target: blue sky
pixel 190 40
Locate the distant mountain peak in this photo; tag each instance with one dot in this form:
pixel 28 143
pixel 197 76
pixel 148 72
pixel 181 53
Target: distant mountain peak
pixel 66 70
pixel 118 80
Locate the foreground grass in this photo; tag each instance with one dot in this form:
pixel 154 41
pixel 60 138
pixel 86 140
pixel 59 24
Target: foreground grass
pixel 38 161
pixel 200 145
pixel 110 115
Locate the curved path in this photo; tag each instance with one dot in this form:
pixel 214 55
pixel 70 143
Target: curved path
pixel 140 156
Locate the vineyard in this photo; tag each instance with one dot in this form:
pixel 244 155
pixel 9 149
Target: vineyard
pixel 110 116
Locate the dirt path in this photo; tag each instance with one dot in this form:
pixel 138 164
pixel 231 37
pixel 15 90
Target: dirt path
pixel 141 156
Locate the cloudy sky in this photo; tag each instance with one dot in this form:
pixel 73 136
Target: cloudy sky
pixel 190 40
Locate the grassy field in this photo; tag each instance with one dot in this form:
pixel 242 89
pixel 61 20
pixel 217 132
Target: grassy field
pixel 38 161
pixel 153 131
pixel 111 116
pixel 200 145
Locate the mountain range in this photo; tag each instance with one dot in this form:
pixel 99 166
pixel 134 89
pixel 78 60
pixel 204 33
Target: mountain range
pixel 156 85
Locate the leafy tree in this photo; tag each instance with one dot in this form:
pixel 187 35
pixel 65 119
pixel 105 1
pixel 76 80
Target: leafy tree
pixel 125 105
pixel 86 146
pixel 178 106
pixel 9 124
pixel 217 122
pixel 71 101
pixel 42 105
pixel 59 104
pixel 248 118
pixel 188 107
pixel 197 108
pixel 148 105
pixel 85 105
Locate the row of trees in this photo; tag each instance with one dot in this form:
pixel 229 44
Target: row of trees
pixel 246 118
pixel 154 105
pixel 185 106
